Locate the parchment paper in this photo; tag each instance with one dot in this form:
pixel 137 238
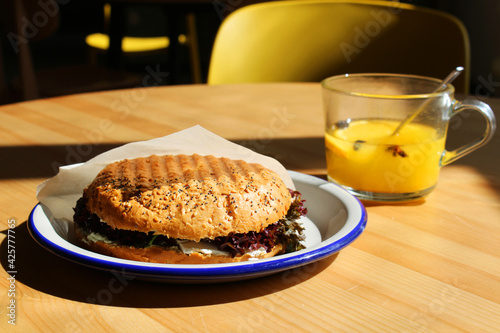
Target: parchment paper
pixel 61 192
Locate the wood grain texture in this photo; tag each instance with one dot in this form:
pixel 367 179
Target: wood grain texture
pixel 430 266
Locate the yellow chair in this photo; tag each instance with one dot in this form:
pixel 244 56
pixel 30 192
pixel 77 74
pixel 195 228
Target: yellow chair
pixel 283 41
pixel 99 43
pixel 32 82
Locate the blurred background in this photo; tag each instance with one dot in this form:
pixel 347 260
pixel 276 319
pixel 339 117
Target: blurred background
pixel 79 19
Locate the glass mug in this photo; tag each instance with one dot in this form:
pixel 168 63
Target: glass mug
pixel 365 153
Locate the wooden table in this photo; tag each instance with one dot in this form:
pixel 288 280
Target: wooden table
pixel 429 266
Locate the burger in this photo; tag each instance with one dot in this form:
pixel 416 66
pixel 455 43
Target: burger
pixel 189 209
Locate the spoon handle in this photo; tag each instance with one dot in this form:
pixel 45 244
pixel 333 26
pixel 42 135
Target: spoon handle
pixel 452 76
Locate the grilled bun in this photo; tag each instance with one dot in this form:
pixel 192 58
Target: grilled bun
pixel 187 197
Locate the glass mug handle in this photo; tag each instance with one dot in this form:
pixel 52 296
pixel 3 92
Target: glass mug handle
pixel 481 107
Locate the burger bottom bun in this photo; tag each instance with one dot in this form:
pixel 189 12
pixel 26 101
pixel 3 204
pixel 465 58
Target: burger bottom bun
pixel 158 254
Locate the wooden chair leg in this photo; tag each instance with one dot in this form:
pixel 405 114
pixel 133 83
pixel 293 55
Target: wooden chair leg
pixel 116 28
pixel 194 53
pixel 29 86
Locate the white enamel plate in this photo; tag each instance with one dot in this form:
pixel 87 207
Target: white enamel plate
pixel 334 220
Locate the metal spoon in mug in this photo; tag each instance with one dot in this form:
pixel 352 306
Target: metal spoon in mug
pixel 452 76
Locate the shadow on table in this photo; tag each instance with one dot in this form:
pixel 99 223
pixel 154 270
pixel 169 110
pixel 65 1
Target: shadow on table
pixel 291 151
pixel 18 161
pixel 41 270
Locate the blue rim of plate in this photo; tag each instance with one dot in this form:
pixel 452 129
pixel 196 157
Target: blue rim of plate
pixel 354 226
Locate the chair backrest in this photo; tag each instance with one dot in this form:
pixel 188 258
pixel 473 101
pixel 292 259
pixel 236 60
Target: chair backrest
pixel 284 41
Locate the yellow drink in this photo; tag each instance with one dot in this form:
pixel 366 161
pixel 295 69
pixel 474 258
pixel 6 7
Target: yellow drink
pixel 365 157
